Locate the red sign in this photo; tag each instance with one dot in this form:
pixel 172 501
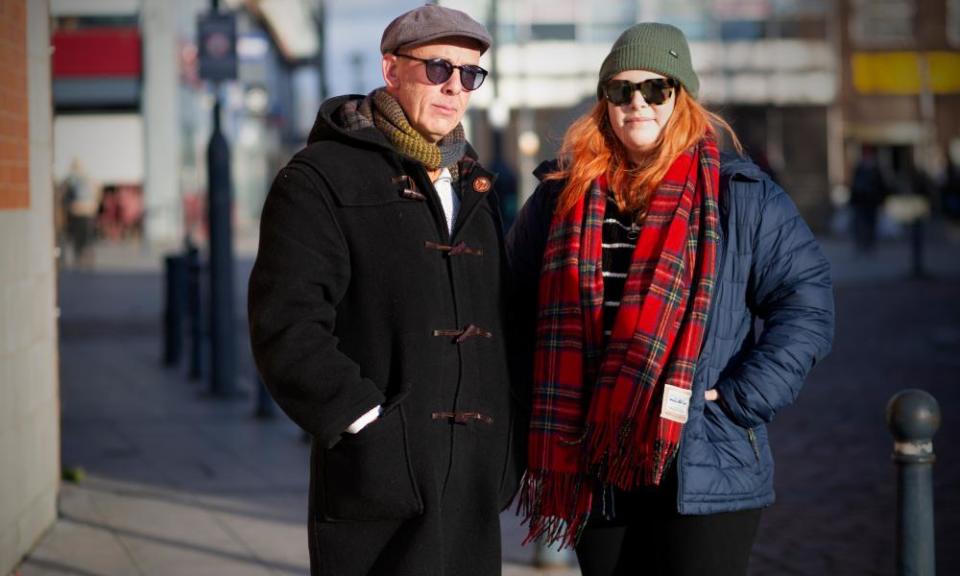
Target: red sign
pixel 114 52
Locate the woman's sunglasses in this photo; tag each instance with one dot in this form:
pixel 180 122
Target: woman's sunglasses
pixel 440 70
pixel 655 91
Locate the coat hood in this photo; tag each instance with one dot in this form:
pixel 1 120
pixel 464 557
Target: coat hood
pixel 732 164
pixel 329 125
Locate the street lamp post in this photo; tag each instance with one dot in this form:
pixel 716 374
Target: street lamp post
pixel 222 333
pixel 219 63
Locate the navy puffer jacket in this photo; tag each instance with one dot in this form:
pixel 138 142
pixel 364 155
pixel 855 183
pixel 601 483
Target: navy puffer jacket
pixel 771 320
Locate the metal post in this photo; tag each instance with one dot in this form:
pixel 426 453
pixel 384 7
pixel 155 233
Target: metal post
pixel 913 417
pixel 496 132
pixel 175 304
pixel 217 35
pixel 222 317
pixel 498 117
pixel 916 247
pixel 320 58
pixel 195 311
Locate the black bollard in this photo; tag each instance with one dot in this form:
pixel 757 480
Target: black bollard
pixel 175 305
pixel 195 309
pixel 913 417
pixel 916 248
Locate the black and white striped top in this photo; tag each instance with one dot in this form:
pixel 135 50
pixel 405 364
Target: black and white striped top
pixel 620 232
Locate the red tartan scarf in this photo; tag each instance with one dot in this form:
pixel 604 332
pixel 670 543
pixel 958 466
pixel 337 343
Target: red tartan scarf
pixel 598 415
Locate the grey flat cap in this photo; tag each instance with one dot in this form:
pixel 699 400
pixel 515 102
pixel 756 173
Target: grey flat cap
pixel 428 23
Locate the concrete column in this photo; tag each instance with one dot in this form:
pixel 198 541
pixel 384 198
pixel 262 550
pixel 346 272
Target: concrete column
pixel 29 399
pixel 164 209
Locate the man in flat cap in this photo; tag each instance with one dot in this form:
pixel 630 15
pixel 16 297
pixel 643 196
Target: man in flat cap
pixel 378 320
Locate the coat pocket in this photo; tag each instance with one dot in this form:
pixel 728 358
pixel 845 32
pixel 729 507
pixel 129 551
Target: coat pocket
pixel 367 476
pixel 734 446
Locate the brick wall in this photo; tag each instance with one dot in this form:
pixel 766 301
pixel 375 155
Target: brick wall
pixel 14 136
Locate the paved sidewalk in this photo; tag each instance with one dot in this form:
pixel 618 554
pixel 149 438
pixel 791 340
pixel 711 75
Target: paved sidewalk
pixel 178 483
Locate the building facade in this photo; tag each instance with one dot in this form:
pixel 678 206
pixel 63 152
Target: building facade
pixel 769 67
pixel 900 91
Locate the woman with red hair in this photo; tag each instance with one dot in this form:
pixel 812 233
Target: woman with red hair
pixel 644 264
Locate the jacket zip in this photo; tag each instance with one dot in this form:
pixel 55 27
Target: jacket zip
pixel 722 256
pixel 753 442
pixel 751 435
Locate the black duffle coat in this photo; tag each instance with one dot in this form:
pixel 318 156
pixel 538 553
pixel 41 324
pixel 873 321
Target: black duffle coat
pixel 359 296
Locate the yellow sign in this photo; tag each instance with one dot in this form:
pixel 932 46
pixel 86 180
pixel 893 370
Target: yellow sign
pixel 901 73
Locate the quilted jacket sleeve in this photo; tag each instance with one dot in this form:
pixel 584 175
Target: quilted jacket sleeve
pixel 301 272
pixel 526 243
pixel 790 290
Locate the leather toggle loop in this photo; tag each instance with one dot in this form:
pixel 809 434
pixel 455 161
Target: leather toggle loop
pixel 462 417
pixel 408 188
pixel 458 249
pixel 470 331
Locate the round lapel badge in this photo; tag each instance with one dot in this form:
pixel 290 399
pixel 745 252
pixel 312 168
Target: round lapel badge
pixel 481 184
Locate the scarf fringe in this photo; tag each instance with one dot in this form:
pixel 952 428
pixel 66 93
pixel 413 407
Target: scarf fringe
pixel 625 459
pixel 555 506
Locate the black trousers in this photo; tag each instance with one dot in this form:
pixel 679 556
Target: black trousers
pixel 648 537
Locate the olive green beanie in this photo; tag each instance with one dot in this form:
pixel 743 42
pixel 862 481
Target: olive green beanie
pixel 652 46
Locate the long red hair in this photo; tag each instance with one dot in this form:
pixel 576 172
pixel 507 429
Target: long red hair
pixel 590 148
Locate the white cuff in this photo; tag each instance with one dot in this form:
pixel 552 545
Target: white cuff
pixel 361 422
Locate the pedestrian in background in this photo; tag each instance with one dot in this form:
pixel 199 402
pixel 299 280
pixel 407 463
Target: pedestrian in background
pixel 81 198
pixel 378 319
pixel 642 262
pixel 950 191
pixel 868 190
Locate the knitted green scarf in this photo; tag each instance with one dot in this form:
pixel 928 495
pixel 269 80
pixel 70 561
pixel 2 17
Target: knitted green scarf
pixel 385 113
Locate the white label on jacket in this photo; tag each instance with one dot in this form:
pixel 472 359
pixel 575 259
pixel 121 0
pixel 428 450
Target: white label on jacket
pixel 676 404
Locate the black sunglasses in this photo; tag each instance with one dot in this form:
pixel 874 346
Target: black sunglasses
pixel 655 91
pixel 440 70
